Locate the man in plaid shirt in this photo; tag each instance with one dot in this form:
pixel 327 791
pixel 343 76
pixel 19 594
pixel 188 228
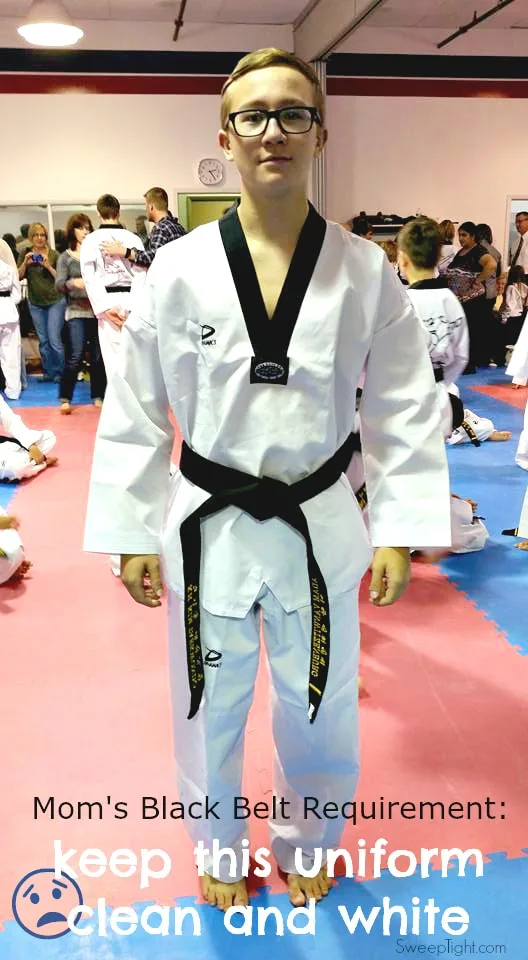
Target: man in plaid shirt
pixel 166 228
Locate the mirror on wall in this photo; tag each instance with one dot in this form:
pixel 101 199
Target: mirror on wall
pixel 132 215
pixel 12 218
pixel 55 216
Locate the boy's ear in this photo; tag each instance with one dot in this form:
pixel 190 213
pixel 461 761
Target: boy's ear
pixel 403 259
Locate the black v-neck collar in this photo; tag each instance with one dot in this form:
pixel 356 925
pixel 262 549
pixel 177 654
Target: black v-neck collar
pixel 432 283
pixel 271 338
pixel 111 226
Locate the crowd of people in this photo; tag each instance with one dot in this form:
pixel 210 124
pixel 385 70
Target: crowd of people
pixel 257 332
pixel 78 300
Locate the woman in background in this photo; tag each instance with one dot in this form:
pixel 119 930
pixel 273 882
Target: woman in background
pixel 38 267
pixel 466 277
pixel 81 324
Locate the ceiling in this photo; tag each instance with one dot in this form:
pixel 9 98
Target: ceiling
pixel 447 14
pixel 166 11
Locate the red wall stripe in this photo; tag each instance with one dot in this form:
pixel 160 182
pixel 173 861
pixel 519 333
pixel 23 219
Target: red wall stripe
pixel 62 83
pixel 411 87
pixel 34 83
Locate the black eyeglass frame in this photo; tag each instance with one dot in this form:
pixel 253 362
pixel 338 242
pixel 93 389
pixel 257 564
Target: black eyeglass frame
pixel 275 115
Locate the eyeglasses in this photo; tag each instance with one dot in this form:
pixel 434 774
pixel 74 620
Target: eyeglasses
pixel 254 123
pixel 45 235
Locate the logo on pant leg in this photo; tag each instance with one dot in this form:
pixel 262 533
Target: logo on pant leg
pixel 207 335
pixel 213 658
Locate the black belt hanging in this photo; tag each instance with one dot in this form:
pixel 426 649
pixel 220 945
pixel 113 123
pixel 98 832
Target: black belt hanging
pixel 5 293
pixel 270 339
pixel 262 498
pixel 118 289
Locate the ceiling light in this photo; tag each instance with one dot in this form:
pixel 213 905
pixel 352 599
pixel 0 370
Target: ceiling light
pixel 48 24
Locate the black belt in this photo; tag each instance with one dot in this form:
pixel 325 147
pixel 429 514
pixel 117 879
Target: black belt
pixel 12 440
pixel 118 289
pixel 438 374
pixel 262 498
pixel 470 432
pixel 5 293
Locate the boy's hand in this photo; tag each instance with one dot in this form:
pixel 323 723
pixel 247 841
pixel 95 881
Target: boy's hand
pixel 141 576
pixel 391 572
pixel 35 454
pixel 115 317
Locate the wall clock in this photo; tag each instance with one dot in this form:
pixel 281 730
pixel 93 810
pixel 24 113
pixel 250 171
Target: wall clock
pixel 210 172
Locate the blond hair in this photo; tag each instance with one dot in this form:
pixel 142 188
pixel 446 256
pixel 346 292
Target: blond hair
pixel 271 57
pixel 36 228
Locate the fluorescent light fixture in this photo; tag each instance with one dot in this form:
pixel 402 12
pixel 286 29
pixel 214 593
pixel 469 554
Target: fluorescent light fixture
pixel 48 24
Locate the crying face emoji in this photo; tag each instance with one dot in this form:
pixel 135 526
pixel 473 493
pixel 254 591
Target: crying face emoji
pixel 42 901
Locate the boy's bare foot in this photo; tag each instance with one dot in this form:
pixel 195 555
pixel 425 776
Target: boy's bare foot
pixel 516 386
pixel 51 461
pixel 20 572
pixel 98 402
pixel 500 435
pixel 523 545
pixel 303 889
pixel 224 895
pixel 65 407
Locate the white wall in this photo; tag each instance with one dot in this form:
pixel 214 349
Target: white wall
pixel 79 146
pixel 449 158
pixel 456 158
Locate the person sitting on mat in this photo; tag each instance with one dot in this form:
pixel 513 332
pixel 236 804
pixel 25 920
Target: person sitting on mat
pixel 13 564
pixel 23 452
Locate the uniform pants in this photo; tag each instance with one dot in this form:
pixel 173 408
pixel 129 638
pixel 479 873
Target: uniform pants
pixel 523 521
pixel 317 760
pixel 15 462
pixel 10 347
pixel 518 363
pixel 521 456
pixel 10 545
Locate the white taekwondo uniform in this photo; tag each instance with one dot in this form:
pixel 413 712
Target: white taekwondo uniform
pixel 518 364
pixel 193 345
pixel 15 440
pixel 445 324
pixel 111 283
pixel 10 342
pixel 11 551
pixel 518 369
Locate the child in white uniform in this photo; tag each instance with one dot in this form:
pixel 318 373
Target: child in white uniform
pixel 13 564
pixel 10 342
pixel 23 452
